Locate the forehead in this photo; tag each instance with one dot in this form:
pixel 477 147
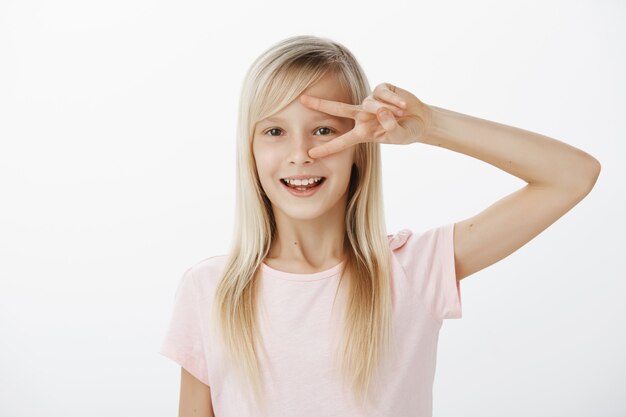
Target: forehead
pixel 327 88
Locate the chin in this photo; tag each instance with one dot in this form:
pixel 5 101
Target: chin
pixel 304 214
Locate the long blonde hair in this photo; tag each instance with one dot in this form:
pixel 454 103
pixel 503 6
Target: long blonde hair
pixel 277 77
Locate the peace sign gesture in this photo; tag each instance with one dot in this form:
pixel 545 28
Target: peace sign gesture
pixel 373 121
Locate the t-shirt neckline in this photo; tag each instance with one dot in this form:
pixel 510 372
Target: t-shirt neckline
pixel 328 273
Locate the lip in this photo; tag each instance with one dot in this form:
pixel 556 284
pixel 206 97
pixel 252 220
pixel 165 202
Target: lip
pixel 299 193
pixel 303 177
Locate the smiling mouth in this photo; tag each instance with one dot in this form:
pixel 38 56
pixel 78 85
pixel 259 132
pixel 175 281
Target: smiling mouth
pixel 303 187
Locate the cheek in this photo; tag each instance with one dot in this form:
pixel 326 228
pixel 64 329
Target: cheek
pixel 343 167
pixel 342 161
pixel 259 152
pixel 267 161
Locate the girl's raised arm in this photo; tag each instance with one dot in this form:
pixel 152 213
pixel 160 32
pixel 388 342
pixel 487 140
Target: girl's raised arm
pixel 558 175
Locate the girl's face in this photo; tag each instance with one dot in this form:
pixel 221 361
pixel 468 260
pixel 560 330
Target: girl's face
pixel 280 146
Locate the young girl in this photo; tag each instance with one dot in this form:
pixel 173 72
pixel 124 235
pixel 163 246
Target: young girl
pixel 316 310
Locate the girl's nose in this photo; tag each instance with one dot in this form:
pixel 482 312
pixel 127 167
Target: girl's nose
pixel 299 151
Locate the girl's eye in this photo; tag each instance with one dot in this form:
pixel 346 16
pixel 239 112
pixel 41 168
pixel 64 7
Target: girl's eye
pixel 328 128
pixel 276 128
pixel 269 130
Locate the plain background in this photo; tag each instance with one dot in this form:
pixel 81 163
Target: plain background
pixel 117 173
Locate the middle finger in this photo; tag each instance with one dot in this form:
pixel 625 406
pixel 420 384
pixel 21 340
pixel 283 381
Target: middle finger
pixel 336 108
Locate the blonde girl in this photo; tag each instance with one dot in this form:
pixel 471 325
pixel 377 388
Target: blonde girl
pixel 315 310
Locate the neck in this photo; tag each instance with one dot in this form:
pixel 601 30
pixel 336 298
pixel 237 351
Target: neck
pixel 314 243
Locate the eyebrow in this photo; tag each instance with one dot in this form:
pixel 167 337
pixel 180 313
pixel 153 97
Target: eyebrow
pixel 323 118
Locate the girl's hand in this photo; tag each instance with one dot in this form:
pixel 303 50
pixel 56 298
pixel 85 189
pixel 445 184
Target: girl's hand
pixel 373 121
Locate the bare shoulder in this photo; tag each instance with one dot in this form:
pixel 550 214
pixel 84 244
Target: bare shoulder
pixel 195 397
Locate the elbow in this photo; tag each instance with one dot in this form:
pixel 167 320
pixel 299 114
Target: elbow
pixel 595 171
pixel 592 172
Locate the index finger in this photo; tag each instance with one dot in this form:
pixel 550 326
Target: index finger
pixel 336 145
pixel 336 108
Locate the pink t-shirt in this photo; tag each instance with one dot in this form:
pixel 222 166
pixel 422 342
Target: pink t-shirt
pixel 300 333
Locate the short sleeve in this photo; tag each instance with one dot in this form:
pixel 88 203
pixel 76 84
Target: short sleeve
pixel 428 261
pixel 183 342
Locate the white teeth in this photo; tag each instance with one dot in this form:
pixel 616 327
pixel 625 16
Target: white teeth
pixel 303 182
